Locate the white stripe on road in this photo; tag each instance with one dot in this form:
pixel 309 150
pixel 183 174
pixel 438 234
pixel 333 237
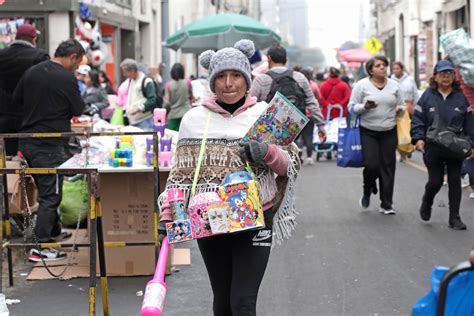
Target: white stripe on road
pixel 416 166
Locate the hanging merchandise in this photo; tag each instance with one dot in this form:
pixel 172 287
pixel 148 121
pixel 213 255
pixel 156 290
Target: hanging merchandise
pixel 88 34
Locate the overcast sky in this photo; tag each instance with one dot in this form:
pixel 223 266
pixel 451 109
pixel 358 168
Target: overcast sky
pixel 332 22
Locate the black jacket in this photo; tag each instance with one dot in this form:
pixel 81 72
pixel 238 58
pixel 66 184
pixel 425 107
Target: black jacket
pixel 14 61
pixel 50 97
pixel 454 111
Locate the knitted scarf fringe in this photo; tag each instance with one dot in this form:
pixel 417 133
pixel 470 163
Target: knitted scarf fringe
pixel 285 219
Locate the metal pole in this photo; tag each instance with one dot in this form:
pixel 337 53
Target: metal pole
pixel 156 191
pixel 2 177
pixel 100 245
pixel 93 250
pixel 165 32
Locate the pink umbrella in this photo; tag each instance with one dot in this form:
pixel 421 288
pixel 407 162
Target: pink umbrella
pixel 353 65
pixel 354 55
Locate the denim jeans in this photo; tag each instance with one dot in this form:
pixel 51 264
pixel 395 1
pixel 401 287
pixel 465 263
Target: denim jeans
pixel 146 125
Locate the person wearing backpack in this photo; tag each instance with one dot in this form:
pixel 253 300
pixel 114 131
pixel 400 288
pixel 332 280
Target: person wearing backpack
pixel 443 109
pixel 141 97
pixel 291 84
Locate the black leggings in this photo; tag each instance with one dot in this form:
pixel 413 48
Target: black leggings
pixel 379 162
pixel 436 165
pixel 236 264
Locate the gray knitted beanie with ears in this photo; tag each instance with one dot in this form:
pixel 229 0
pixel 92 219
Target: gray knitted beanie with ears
pixel 229 58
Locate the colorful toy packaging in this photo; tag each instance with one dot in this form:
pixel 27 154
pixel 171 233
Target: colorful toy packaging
pixel 279 124
pixel 218 215
pixel 198 213
pixel 235 208
pixel 240 192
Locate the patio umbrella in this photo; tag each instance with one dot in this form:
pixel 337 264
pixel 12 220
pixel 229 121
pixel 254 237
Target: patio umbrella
pixel 354 55
pixel 221 30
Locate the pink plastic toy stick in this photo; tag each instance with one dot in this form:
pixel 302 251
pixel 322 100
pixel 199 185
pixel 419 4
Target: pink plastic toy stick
pixel 155 292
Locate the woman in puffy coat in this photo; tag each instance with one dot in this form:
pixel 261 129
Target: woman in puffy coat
pixel 334 91
pixel 94 95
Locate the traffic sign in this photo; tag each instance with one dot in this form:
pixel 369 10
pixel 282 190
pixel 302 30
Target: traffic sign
pixel 373 45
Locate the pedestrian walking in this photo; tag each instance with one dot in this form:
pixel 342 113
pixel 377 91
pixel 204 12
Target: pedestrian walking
pixel 141 96
pixel 442 107
pixel 296 88
pixel 94 96
pixel 407 84
pixel 236 262
pixel 49 96
pixel 178 97
pixel 377 100
pixel 15 59
pixel 334 91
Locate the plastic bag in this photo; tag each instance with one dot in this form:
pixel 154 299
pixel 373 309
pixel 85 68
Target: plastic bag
pixel 349 147
pixel 459 46
pixel 460 293
pixel 403 129
pixel 117 117
pixel 74 200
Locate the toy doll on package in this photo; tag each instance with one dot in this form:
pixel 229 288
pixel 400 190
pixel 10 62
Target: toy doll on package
pixel 178 231
pixel 240 191
pixel 198 213
pixel 180 228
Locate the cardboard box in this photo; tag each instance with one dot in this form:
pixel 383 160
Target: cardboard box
pixel 128 216
pixel 18 205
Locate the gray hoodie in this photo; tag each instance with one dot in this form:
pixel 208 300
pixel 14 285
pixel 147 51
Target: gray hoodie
pixel 383 117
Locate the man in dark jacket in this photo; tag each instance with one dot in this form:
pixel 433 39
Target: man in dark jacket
pixel 20 55
pixel 50 97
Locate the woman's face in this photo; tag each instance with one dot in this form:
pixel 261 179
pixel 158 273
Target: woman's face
pixel 87 80
pixel 397 71
pixel 379 69
pixel 445 79
pixel 230 86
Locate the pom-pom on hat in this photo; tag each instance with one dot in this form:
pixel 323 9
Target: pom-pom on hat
pixel 229 58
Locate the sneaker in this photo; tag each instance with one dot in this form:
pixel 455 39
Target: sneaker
pixel 457 224
pixel 61 237
pixel 471 196
pixel 309 161
pixel 465 181
pixel 425 211
pixel 364 201
pixel 389 211
pixel 47 255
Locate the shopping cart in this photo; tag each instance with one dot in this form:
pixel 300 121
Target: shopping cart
pixel 329 147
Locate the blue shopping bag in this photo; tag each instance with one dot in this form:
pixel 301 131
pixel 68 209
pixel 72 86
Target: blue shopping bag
pixel 349 147
pixel 460 295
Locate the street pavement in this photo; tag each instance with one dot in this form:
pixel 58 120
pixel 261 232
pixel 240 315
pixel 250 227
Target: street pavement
pixel 341 260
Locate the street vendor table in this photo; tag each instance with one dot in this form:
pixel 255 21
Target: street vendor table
pixel 82 127
pixel 128 215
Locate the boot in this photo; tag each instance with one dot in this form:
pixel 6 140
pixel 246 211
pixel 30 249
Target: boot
pixel 457 224
pixel 425 211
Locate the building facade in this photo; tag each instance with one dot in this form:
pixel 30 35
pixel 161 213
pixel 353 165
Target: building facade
pixel 410 30
pixel 127 28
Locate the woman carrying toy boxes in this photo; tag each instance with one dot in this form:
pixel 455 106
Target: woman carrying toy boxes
pixel 221 184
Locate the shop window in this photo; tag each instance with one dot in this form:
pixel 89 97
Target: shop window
pixel 9 25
